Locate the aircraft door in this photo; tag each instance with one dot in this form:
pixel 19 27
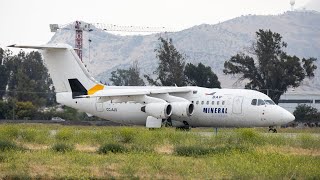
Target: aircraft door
pixel 237 105
pixel 263 108
pixel 99 107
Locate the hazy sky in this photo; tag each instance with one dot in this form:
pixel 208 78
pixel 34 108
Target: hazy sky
pixel 27 21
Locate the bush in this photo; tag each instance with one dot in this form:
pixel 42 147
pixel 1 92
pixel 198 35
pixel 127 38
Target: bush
pixel 62 147
pixel 192 151
pixel 126 135
pixel 7 145
pixel 65 134
pixel 305 113
pixel 201 151
pixel 18 176
pixel 114 148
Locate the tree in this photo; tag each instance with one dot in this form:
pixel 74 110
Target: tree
pixel 201 75
pixel 170 71
pixel 25 110
pixel 271 69
pixel 4 109
pixel 4 74
pixel 130 77
pixel 28 79
pixel 305 113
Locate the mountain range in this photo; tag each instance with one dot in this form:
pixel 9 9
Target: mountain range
pixel 210 44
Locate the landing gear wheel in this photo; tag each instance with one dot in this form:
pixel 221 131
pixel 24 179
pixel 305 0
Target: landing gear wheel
pixel 274 130
pixel 167 122
pixel 186 127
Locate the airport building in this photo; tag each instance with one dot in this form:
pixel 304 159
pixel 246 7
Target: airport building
pixel 292 99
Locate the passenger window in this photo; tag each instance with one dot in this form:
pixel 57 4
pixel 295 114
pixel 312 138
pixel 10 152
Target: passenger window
pixel 260 102
pixel 202 102
pixel 212 102
pixel 223 102
pixel 217 102
pixel 207 102
pixel 254 102
pixel 197 102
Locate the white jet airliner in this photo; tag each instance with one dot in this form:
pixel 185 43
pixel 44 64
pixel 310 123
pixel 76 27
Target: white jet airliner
pixel 149 106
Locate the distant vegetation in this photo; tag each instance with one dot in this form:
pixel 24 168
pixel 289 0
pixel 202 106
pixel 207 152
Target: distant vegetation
pixel 171 71
pixel 26 89
pixel 25 79
pixel 306 113
pixel 37 151
pixel 268 67
pixel 130 77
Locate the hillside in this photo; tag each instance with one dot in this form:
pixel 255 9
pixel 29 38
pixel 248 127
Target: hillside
pixel 209 44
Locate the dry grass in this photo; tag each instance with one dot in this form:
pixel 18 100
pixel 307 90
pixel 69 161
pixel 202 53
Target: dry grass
pixel 40 170
pixel 164 149
pixel 110 170
pixel 86 148
pixel 33 146
pixel 78 147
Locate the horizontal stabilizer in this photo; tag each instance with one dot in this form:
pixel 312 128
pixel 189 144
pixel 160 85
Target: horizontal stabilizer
pixel 42 47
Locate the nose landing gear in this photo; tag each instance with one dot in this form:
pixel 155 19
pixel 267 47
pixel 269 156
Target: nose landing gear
pixel 273 129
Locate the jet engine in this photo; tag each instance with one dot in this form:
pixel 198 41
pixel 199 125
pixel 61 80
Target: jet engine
pixel 182 109
pixel 158 110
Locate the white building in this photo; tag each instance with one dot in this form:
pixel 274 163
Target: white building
pixel 292 99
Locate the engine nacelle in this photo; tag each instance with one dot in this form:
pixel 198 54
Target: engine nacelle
pixel 158 110
pixel 182 109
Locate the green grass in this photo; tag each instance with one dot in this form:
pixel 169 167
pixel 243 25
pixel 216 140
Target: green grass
pixel 137 153
pixel 62 147
pixel 112 148
pixel 6 145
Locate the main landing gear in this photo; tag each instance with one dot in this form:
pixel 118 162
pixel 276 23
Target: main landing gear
pixel 273 129
pixel 185 127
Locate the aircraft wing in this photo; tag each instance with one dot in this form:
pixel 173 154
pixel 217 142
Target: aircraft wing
pixel 119 92
pixel 137 92
pixel 170 90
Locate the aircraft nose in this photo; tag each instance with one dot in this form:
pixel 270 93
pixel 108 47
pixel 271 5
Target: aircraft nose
pixel 287 116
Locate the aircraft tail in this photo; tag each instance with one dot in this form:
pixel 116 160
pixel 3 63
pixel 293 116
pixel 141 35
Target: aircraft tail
pixel 67 71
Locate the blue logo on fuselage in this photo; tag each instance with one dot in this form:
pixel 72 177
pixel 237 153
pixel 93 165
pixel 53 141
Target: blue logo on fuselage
pixel 215 110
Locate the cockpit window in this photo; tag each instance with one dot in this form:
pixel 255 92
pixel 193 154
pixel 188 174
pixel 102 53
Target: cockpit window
pixel 261 102
pixel 254 102
pixel 269 102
